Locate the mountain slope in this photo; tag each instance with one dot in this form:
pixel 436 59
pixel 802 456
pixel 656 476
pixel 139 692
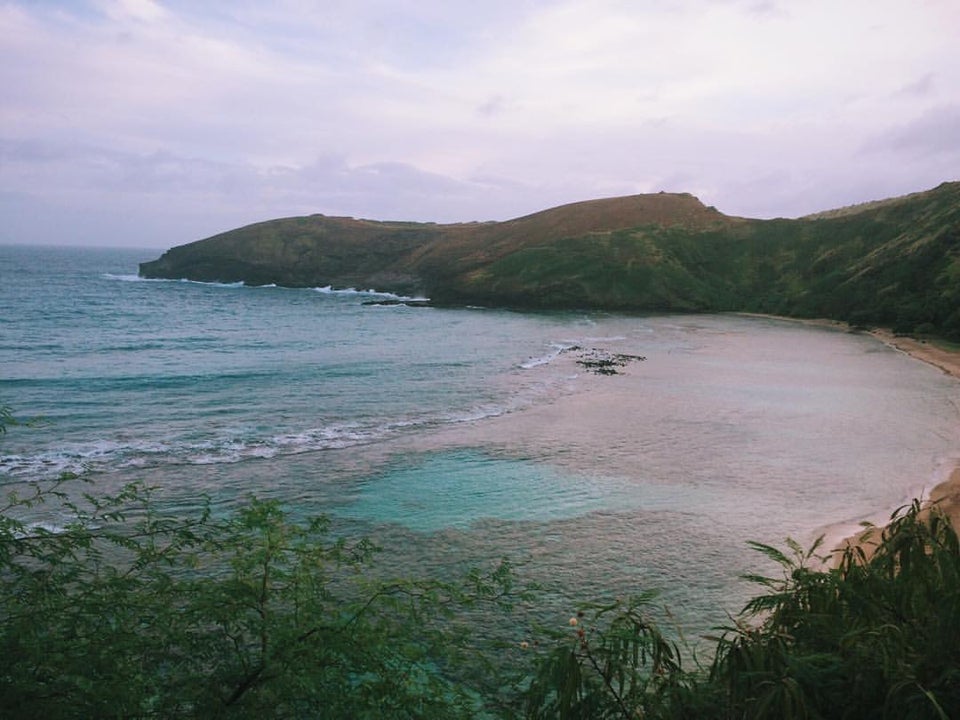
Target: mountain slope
pixel 895 262
pixel 395 256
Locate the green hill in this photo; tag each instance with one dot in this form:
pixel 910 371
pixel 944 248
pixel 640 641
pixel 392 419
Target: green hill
pixel 893 263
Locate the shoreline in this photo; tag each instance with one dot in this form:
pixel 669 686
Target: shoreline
pixel 945 494
pixel 948 361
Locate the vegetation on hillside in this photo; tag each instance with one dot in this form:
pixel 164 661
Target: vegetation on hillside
pixel 125 610
pixel 894 263
pixel 897 265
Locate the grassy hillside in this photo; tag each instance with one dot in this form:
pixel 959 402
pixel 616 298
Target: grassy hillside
pixel 897 265
pixel 894 263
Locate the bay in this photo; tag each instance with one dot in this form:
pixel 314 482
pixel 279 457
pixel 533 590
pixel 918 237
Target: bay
pixel 459 436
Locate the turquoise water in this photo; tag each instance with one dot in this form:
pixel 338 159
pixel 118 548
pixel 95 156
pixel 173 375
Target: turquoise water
pixel 458 436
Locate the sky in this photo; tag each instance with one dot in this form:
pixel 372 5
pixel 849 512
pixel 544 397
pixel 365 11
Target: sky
pixel 152 123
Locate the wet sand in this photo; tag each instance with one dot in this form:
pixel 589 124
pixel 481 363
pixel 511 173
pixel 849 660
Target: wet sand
pixel 945 497
pixel 946 360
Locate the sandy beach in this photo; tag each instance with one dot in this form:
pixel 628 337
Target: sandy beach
pixel 947 497
pixel 946 360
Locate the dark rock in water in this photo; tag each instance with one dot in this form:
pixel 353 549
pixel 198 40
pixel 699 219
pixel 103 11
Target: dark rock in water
pixel 603 363
pixel 600 367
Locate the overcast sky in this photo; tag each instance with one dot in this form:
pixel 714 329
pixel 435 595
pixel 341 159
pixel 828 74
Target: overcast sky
pixel 154 123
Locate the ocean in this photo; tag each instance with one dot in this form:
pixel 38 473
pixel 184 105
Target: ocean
pixel 455 437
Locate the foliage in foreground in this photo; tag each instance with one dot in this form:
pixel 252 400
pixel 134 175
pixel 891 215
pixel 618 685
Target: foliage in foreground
pixel 874 637
pixel 127 612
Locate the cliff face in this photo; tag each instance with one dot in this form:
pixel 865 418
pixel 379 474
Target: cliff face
pixel 894 262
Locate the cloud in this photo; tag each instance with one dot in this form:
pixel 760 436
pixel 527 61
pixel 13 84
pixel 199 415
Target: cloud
pixel 919 88
pixel 162 198
pixel 136 10
pixel 234 112
pixel 935 133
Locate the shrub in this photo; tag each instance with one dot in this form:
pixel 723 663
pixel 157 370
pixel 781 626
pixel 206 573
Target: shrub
pixel 127 612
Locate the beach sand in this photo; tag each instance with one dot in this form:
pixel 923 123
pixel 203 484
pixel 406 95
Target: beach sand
pixel 946 360
pixel 946 496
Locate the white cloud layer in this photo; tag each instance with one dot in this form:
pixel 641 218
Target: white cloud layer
pixel 144 122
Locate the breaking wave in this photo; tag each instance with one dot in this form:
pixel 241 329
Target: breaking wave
pixel 325 290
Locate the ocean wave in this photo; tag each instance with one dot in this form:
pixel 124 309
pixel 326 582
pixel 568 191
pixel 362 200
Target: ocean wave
pixel 39 527
pixel 353 292
pixel 51 464
pixel 137 279
pixel 604 339
pixel 556 350
pixel 233 446
pixel 127 278
pixel 325 290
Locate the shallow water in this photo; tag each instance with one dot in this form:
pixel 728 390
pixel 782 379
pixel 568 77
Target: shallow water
pixel 457 436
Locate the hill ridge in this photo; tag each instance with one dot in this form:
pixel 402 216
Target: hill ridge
pixel 894 262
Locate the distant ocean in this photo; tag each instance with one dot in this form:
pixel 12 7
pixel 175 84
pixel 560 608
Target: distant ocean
pixel 458 436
